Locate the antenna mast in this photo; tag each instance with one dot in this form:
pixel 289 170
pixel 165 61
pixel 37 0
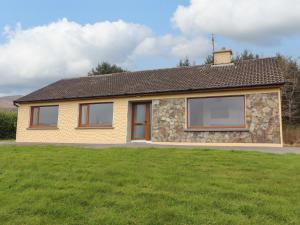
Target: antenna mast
pixel 213 42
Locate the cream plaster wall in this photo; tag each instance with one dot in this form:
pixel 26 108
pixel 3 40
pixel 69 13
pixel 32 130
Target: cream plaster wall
pixel 67 131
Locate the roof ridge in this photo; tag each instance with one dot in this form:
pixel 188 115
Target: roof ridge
pixel 138 71
pixel 159 69
pixel 263 58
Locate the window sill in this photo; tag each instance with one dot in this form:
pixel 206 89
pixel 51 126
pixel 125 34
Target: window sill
pixel 42 128
pixel 87 128
pixel 216 129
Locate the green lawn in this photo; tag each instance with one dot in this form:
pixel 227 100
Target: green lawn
pixel 65 185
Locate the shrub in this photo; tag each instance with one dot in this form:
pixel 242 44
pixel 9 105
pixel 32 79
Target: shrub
pixel 8 124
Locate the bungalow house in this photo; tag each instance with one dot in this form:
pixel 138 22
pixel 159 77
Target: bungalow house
pixel 226 103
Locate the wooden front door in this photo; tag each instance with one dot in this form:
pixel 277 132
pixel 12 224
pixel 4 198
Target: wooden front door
pixel 141 121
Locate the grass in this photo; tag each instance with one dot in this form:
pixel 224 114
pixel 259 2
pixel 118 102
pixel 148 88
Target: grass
pixel 65 185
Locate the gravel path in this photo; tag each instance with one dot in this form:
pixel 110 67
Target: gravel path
pixel 277 150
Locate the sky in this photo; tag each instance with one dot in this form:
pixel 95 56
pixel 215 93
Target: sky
pixel 44 41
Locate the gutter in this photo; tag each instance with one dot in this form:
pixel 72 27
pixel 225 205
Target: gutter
pixel 16 104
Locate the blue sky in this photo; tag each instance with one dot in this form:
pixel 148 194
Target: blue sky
pixel 42 41
pixel 155 14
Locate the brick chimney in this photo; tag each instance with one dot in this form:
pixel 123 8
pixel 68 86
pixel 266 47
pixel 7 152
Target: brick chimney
pixel 222 57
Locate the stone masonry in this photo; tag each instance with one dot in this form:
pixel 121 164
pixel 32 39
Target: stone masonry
pixel 262 121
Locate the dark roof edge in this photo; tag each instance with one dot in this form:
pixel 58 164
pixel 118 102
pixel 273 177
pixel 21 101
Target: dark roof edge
pixel 16 102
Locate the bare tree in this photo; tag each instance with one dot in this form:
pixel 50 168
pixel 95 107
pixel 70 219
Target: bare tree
pixel 209 59
pixel 184 62
pixel 246 54
pixel 291 90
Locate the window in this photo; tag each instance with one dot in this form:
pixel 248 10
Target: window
pixel 96 115
pixel 216 112
pixel 44 116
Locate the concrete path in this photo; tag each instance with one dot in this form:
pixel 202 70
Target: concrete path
pixel 283 150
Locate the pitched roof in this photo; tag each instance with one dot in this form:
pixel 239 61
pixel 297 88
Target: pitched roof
pixel 246 73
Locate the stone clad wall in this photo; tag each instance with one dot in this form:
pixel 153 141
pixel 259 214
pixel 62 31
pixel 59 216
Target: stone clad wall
pixel 262 119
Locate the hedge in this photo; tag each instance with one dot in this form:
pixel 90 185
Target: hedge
pixel 8 124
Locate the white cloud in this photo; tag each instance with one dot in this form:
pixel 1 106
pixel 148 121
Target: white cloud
pixel 31 58
pixel 194 48
pixel 247 20
pixel 63 48
pixel 170 46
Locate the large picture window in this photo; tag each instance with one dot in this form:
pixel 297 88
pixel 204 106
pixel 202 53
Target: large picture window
pixel 216 112
pixel 96 115
pixel 44 116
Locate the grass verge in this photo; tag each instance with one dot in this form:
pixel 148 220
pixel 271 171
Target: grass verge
pixel 65 185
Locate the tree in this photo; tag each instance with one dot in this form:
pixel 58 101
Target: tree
pixel 291 90
pixel 105 68
pixel 246 54
pixel 184 62
pixel 209 59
